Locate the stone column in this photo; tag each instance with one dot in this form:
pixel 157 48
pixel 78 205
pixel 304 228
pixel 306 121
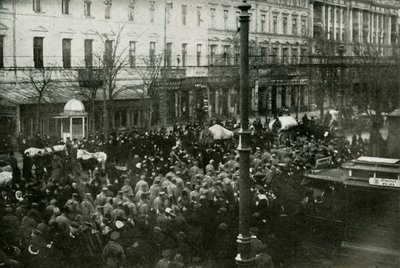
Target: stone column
pixel 376 28
pixel 370 40
pixel 389 30
pixel 349 31
pixel 328 23
pixel 341 12
pixel 361 25
pixel 334 23
pixel 323 17
pixel 382 28
pixel 310 21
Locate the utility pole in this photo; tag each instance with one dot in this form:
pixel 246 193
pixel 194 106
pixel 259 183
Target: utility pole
pixel 244 257
pixel 341 134
pixel 163 88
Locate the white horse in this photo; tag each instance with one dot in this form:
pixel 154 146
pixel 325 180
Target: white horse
pixel 101 157
pixel 46 150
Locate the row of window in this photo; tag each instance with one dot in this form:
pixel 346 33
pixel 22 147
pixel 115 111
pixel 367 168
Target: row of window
pixel 260 56
pixel 108 53
pixel 65 9
pixel 226 57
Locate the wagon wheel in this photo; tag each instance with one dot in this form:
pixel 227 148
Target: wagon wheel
pixel 283 136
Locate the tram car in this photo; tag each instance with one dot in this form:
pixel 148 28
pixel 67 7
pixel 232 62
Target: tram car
pixel 360 202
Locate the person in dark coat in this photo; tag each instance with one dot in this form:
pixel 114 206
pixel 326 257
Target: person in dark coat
pixel 113 253
pixel 12 161
pixel 38 250
pixel 27 167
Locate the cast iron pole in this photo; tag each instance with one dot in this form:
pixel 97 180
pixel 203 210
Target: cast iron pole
pixel 341 100
pixel 244 257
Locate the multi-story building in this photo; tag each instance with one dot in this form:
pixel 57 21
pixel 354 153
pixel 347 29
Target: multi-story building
pixel 362 31
pixel 186 49
pixel 279 32
pixel 67 36
pixel 362 26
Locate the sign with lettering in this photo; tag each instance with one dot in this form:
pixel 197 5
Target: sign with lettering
pixel 384 182
pixel 169 84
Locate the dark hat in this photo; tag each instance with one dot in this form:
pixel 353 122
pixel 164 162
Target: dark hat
pixel 166 253
pixel 223 226
pixel 114 236
pixel 254 230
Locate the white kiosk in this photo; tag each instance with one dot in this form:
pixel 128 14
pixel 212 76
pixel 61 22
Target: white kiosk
pixel 73 120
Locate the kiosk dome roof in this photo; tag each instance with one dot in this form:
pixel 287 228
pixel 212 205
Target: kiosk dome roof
pixel 74 106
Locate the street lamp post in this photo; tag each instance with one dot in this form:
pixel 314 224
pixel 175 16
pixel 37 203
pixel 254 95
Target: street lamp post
pixel 244 257
pixel 341 100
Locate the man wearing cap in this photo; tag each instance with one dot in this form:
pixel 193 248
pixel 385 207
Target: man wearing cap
pixel 131 206
pixel 158 202
pixel 142 185
pixel 113 253
pixel 171 172
pixel 194 170
pixel 73 205
pixel 118 213
pixel 101 199
pixel 64 223
pixel 210 167
pixel 143 205
pixel 256 243
pixel 155 189
pixel 127 187
pixel 118 198
pixel 262 259
pixel 87 207
pixel 108 208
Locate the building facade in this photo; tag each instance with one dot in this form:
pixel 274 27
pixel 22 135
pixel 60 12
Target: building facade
pixel 187 50
pixel 362 26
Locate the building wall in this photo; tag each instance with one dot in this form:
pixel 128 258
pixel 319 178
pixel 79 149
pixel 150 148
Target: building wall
pixel 280 32
pixel 54 26
pixel 359 25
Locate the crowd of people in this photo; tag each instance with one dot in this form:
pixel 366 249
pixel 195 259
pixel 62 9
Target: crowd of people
pixel 164 199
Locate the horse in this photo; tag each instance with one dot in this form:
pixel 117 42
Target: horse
pixel 101 157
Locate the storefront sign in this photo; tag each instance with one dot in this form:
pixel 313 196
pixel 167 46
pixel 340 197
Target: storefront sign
pixel 170 84
pixel 7 108
pixel 384 182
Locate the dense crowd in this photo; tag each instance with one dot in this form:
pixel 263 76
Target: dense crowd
pixel 164 199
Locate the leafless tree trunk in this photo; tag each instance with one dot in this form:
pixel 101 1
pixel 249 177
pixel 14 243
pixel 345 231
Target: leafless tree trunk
pixel 41 81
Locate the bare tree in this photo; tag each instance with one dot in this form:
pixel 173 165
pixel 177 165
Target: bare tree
pixel 150 73
pixel 324 75
pixel 376 92
pixel 113 60
pixel 41 81
pixel 90 81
